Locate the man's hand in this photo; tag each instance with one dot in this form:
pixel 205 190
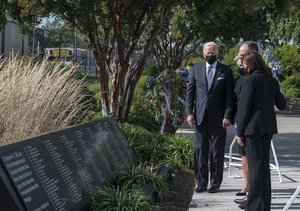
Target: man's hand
pixel 240 141
pixel 190 119
pixel 226 123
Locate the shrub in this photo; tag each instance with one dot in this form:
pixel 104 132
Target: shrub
pixel 229 60
pixel 93 86
pixel 140 113
pixel 151 70
pixel 292 92
pixel 147 146
pixel 153 148
pixel 289 57
pixel 120 198
pixel 138 176
pixel 291 85
pixel 179 154
pixel 146 121
pixel 37 98
pixel 194 60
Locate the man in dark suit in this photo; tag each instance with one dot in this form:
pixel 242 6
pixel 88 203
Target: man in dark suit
pixel 247 46
pixel 209 100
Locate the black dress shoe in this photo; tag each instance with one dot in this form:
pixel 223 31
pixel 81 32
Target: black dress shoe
pixel 241 201
pixel 242 206
pixel 241 194
pixel 213 190
pixel 200 189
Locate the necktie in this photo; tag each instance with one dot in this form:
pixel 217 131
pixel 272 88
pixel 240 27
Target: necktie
pixel 209 76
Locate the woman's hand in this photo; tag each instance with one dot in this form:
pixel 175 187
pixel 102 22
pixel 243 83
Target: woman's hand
pixel 240 141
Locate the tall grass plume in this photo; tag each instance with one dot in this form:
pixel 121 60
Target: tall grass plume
pixel 38 97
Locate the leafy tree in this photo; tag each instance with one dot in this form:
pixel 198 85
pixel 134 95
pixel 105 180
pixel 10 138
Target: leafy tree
pixel 3 7
pixel 289 57
pixel 291 86
pixel 58 34
pixel 284 19
pixel 229 60
pixel 179 38
pixel 114 29
pixel 230 20
pixel 118 29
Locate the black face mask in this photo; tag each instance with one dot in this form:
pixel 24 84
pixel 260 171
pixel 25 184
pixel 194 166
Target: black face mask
pixel 211 59
pixel 241 71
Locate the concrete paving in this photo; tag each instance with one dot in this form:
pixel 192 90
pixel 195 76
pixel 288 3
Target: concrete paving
pixel 287 148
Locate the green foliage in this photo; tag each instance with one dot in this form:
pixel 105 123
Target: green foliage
pixel 194 60
pixel 229 60
pixel 291 85
pixel 165 93
pixel 120 198
pixel 94 87
pixel 230 20
pixel 147 146
pixel 147 121
pixel 289 56
pixel 150 70
pixel 292 92
pixel 57 33
pixel 179 39
pixel 138 176
pixel 153 148
pixel 179 154
pixel 284 19
pixel 141 111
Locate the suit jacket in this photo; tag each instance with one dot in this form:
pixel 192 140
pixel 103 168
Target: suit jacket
pixel 218 99
pixel 256 115
pixel 237 91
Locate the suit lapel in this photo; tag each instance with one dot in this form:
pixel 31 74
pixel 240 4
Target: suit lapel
pixel 217 73
pixel 203 74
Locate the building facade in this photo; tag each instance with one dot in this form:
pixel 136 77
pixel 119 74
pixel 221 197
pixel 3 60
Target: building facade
pixel 12 42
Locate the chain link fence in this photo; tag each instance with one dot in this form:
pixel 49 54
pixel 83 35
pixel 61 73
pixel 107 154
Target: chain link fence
pixel 57 45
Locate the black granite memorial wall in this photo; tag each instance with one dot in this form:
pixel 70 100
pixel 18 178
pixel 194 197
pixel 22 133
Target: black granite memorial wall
pixel 52 171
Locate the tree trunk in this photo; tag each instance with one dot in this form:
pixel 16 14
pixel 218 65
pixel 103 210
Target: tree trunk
pixel 103 77
pixel 131 82
pixel 136 74
pixel 117 89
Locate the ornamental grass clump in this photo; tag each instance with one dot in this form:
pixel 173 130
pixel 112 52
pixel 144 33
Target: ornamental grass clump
pixel 38 97
pixel 119 199
pixel 179 153
pixel 140 175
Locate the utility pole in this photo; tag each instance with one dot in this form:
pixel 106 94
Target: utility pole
pixel 59 45
pixel 2 43
pixel 22 47
pixel 32 50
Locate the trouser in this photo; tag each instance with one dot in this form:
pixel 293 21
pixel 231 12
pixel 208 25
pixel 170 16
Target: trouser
pixel 209 143
pixel 258 153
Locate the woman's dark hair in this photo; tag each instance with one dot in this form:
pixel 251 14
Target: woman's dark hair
pixel 251 45
pixel 255 61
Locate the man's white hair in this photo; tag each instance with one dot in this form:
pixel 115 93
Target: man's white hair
pixel 211 44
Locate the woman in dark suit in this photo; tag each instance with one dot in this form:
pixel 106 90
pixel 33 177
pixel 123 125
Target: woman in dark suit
pixel 256 126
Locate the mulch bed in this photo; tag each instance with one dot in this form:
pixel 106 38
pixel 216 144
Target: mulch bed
pixel 182 187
